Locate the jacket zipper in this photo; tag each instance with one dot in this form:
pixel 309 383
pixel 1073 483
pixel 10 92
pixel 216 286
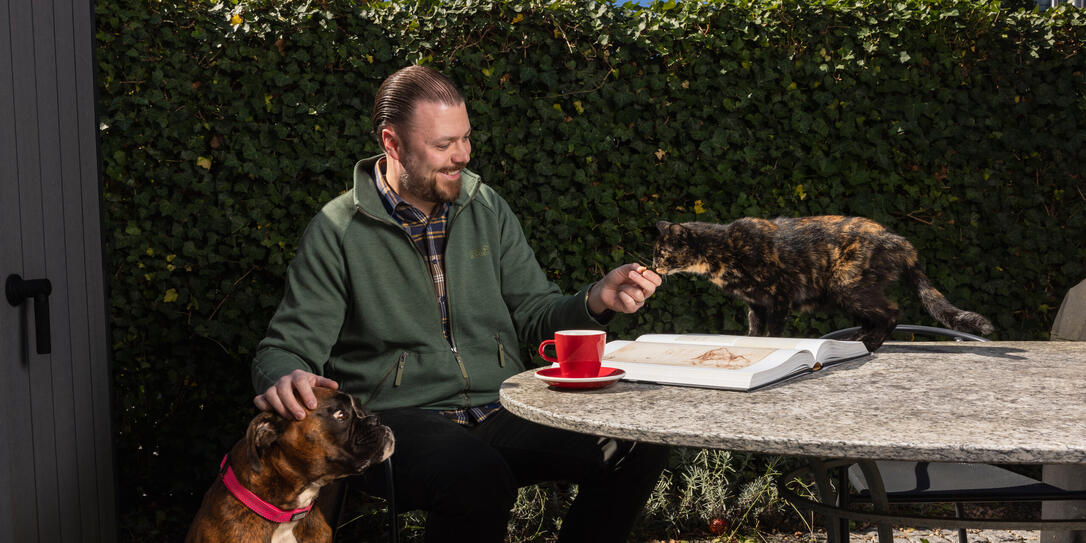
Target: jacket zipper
pixel 448 304
pixel 399 369
pixel 448 301
pixel 463 370
pixel 501 350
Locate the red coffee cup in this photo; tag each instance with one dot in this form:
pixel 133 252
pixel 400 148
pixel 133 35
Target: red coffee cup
pixel 579 352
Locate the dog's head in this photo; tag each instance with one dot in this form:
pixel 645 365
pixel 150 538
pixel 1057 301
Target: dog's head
pixel 336 439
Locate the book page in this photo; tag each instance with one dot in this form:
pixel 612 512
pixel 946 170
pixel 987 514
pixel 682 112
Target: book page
pixel 824 350
pixel 704 356
pixel 760 342
pixel 704 339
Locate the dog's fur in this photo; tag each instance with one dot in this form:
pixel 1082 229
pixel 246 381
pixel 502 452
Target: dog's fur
pixel 286 463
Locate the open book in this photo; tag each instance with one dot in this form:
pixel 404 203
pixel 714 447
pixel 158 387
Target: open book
pixel 718 361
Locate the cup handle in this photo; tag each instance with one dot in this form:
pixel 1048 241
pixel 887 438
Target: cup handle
pixel 543 354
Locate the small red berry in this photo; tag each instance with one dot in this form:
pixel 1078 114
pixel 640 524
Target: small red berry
pixel 719 525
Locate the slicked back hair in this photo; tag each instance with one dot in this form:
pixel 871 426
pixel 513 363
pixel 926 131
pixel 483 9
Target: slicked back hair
pixel 402 91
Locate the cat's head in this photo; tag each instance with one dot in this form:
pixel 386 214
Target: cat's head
pixel 675 249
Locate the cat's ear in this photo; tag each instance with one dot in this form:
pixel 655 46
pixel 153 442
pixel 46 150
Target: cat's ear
pixel 674 228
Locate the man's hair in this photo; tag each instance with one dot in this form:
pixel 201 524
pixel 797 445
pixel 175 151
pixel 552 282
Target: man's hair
pixel 402 91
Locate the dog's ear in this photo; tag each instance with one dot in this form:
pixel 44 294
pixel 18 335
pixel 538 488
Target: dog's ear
pixel 663 226
pixel 263 431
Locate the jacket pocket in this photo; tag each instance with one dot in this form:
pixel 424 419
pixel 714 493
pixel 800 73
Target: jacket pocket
pixel 397 367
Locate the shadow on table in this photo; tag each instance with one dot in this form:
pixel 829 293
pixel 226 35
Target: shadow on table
pixel 954 347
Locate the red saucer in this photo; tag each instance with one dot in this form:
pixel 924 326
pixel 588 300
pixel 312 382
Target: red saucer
pixel 553 377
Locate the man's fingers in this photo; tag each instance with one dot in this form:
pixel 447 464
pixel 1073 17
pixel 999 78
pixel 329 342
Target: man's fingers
pixel 292 394
pixel 305 394
pixel 635 292
pixel 644 285
pixel 326 382
pixel 652 277
pixel 285 389
pixel 305 383
pixel 629 302
pixel 271 397
pixel 645 277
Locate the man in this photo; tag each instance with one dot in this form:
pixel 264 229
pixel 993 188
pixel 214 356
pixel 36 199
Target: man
pixel 414 292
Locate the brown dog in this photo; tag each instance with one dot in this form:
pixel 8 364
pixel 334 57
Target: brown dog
pixel 272 476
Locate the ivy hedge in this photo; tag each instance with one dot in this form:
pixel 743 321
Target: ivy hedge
pixel 224 127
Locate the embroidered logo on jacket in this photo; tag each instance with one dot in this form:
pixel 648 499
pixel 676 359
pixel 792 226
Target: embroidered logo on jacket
pixel 482 251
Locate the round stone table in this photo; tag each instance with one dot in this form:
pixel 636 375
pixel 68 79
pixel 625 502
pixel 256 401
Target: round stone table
pixel 993 402
pixel 977 402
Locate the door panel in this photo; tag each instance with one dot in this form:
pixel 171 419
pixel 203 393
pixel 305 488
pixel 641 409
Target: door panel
pixel 56 457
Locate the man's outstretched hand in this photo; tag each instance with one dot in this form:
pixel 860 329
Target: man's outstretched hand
pixel 623 289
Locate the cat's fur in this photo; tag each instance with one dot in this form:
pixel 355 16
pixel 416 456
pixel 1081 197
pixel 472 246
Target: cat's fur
pixel 786 264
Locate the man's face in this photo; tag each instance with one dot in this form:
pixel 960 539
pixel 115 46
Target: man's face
pixel 433 150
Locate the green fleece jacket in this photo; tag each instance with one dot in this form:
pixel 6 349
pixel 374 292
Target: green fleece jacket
pixel 359 305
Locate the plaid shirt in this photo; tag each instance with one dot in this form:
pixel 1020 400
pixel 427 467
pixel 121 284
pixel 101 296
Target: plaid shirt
pixel 429 234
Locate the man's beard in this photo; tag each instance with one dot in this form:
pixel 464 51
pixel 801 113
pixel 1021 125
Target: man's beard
pixel 426 188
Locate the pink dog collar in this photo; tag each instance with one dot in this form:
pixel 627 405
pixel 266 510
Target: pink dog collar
pixel 253 502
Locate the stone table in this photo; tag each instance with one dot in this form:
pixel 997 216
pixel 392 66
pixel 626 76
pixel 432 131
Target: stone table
pixel 990 402
pixel 993 402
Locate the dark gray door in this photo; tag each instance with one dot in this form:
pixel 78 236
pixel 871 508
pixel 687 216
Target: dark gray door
pixel 56 451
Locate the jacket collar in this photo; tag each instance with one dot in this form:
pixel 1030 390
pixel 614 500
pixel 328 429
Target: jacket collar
pixel 368 200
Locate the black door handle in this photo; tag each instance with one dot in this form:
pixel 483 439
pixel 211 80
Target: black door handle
pixel 18 290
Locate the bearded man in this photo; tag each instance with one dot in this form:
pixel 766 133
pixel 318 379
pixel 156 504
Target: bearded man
pixel 415 292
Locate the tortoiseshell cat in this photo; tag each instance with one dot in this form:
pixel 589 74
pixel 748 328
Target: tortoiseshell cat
pixel 784 264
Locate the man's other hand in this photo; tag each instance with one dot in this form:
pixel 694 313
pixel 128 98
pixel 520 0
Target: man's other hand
pixel 283 397
pixel 623 289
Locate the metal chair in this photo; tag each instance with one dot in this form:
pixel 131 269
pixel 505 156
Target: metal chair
pixel 390 498
pixel 946 482
pixel 845 333
pixel 888 482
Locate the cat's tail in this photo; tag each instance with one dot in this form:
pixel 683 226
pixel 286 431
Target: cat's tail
pixel 939 307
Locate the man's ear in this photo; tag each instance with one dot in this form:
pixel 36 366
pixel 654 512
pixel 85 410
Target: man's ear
pixel 391 142
pixel 263 431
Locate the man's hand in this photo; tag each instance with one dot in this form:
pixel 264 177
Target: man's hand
pixel 281 398
pixel 623 289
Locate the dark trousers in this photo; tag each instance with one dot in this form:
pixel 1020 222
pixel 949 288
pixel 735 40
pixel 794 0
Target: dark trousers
pixel 466 478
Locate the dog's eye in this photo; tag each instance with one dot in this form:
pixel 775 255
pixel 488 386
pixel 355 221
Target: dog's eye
pixel 340 415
